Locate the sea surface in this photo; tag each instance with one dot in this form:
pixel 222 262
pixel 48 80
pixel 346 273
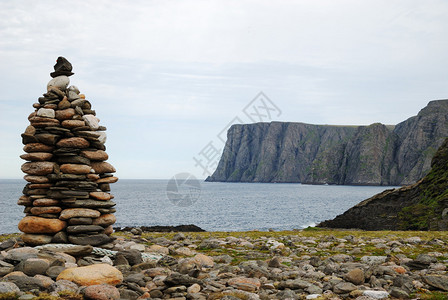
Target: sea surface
pixel 213 206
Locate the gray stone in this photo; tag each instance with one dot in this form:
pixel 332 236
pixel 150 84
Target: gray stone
pixel 8 287
pixel 63 285
pixel 34 266
pixel 376 294
pixel 61 82
pixel 91 121
pixel 134 257
pixel 437 281
pixel 344 287
pixel 5 268
pixel 93 240
pixel 54 271
pixel 24 283
pixel 84 229
pixel 19 254
pixel 46 113
pixel 399 293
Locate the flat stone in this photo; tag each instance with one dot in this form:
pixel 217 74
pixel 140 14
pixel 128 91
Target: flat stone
pixel 79 212
pixel 105 220
pixel 74 142
pixel 100 195
pixel 43 122
pixel 98 155
pixel 101 292
pixel 60 238
pixel 84 229
pixel 32 224
pixel 92 204
pixel 76 169
pixel 65 114
pixel 37 147
pixel 344 287
pixel 60 82
pixel 376 294
pixel 36 179
pixel 93 240
pixel 20 254
pixel 245 284
pixel 81 221
pixel 72 123
pixel 28 139
pixel 102 167
pixel 38 168
pixel 437 281
pixel 73 159
pixel 78 250
pixel 45 210
pixel 45 113
pixel 24 200
pixel 45 202
pixel 5 268
pixel 37 156
pixel 110 179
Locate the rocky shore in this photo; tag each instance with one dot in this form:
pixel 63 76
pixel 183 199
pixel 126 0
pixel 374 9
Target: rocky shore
pixel 309 264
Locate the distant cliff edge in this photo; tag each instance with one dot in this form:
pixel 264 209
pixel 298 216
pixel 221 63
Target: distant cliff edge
pixel 324 154
pixel 421 206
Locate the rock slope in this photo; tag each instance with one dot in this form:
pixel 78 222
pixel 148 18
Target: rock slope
pixel 317 154
pixel 421 206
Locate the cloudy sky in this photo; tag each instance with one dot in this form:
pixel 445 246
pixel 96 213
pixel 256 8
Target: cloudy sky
pixel 167 77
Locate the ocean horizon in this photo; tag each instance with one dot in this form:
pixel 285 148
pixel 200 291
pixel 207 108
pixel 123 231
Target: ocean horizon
pixel 213 206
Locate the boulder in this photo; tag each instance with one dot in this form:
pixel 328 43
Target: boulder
pixel 92 275
pixel 32 224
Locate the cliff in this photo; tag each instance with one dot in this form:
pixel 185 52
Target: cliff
pixel 317 154
pixel 421 206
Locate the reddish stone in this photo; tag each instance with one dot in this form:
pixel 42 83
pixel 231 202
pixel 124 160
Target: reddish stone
pixel 103 167
pixel 36 239
pixel 75 169
pixel 93 177
pixel 45 202
pixel 45 210
pixel 105 220
pixel 40 185
pixel 24 200
pixel 99 155
pixel 73 123
pixel 101 195
pixel 110 179
pixel 38 168
pixel 36 179
pixel 101 292
pixel 245 284
pixel 108 230
pixel 37 156
pixel 41 225
pixel 65 114
pixel 74 142
pixel 37 147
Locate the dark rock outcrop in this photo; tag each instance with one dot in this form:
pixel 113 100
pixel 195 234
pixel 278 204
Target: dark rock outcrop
pixel 421 206
pixel 317 154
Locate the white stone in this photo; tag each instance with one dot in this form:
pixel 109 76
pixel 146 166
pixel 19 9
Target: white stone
pixel 374 260
pixel 102 137
pixel 313 296
pixel 91 121
pixel 73 88
pixel 46 113
pixel 376 294
pixel 139 247
pixel 61 82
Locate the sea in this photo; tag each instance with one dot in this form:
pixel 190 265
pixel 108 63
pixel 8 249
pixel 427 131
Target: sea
pixel 213 206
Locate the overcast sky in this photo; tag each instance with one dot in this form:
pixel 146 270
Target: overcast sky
pixel 167 77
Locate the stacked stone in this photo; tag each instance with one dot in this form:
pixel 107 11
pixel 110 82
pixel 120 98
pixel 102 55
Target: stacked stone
pixel 67 197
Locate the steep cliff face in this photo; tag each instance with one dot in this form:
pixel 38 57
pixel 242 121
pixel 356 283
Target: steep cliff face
pixel 358 155
pixel 421 206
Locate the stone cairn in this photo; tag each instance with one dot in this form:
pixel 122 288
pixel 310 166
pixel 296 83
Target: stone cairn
pixel 67 197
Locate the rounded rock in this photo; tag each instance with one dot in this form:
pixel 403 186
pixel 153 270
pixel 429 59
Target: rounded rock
pixel 36 239
pixel 74 142
pixel 92 275
pixel 38 168
pixel 32 224
pixel 101 292
pixel 61 82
